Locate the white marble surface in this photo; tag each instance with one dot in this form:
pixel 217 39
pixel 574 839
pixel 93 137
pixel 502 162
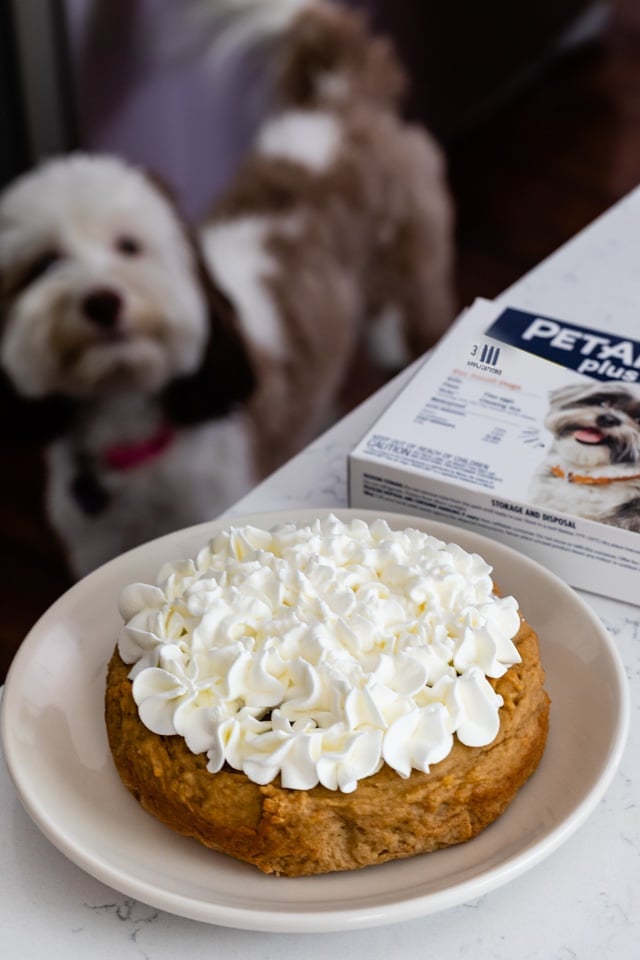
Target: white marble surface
pixel 582 902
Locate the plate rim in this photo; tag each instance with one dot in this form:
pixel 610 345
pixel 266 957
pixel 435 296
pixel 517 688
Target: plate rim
pixel 335 919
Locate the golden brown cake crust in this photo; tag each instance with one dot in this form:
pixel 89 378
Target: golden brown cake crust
pixel 300 832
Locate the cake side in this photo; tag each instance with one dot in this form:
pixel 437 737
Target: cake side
pixel 300 832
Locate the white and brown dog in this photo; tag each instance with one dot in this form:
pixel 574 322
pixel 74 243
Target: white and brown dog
pixel 593 466
pixel 171 377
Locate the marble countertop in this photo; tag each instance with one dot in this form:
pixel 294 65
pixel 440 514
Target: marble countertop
pixel 583 901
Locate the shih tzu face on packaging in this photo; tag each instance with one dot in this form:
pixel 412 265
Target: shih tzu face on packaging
pixel 592 468
pixel 99 284
pixel 596 425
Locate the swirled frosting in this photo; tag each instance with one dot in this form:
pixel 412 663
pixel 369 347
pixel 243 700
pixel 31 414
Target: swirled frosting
pixel 320 652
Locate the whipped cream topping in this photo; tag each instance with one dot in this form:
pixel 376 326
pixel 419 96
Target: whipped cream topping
pixel 320 652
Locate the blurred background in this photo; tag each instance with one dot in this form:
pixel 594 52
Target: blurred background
pixel 537 105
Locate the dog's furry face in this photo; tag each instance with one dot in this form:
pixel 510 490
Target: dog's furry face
pixel 99 282
pixel 596 425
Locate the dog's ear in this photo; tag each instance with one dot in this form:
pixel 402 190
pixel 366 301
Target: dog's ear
pixel 569 394
pixel 31 422
pixel 226 376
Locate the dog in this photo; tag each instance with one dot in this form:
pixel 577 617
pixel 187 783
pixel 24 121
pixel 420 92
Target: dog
pixel 169 371
pixel 592 469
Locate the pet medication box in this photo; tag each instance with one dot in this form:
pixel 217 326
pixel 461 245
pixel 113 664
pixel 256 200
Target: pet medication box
pixel 524 428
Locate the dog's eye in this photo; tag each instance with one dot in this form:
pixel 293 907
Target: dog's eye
pixel 128 246
pixel 605 400
pixel 38 267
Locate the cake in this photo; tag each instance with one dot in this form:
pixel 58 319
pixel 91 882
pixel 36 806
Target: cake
pixel 325 697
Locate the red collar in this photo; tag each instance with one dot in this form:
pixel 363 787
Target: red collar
pixel 127 456
pixel 592 481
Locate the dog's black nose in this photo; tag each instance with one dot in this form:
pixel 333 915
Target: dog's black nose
pixel 103 308
pixel 608 420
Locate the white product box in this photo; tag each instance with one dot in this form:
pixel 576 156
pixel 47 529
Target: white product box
pixel 526 429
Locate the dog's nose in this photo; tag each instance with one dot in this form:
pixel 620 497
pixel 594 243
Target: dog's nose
pixel 608 420
pixel 103 308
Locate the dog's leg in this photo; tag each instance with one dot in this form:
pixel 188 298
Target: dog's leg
pixel 424 251
pixel 412 278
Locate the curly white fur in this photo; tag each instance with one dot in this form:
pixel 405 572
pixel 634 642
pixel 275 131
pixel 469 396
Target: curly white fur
pixel 106 307
pixel 81 229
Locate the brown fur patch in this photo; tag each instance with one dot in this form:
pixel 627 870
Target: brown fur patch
pixel 372 229
pixel 326 41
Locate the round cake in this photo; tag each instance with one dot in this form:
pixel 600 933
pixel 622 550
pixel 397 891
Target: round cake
pixel 325 697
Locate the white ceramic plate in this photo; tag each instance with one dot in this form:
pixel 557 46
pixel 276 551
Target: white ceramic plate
pixel 56 750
